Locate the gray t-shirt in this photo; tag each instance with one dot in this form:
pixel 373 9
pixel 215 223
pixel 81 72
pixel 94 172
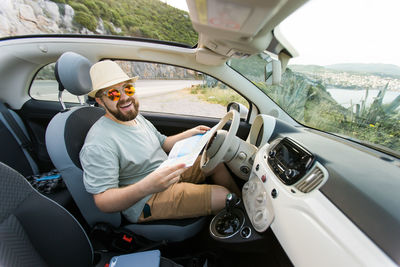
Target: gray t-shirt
pixel 116 155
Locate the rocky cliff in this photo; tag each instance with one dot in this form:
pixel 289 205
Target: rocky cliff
pixel 21 17
pixel 157 71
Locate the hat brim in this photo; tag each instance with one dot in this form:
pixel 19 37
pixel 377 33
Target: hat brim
pixel 114 82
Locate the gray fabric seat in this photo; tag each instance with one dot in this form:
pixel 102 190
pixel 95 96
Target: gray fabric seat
pixel 20 158
pixel 36 231
pixel 32 227
pixel 65 136
pixel 18 153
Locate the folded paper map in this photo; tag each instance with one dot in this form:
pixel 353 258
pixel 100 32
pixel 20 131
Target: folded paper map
pixel 187 150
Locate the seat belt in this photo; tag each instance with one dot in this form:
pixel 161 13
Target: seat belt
pixel 24 142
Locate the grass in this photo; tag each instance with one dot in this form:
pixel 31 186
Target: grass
pixel 310 104
pixel 217 95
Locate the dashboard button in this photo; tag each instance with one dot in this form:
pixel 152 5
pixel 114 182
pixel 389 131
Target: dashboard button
pixel 245 169
pixel 242 156
pixel 290 173
pixel 274 193
pixel 272 154
pixel 260 199
pixel 245 232
pixel 252 187
pixel 263 178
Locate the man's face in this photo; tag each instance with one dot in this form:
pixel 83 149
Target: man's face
pixel 124 108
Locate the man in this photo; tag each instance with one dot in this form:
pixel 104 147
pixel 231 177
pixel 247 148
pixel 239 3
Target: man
pixel 122 154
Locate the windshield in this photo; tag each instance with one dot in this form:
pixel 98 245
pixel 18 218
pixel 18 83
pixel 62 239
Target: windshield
pixel 140 18
pixel 346 80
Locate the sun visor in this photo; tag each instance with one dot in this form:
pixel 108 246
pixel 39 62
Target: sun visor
pixel 236 28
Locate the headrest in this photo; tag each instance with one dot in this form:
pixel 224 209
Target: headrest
pixel 72 73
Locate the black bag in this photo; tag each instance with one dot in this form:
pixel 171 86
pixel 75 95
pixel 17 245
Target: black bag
pixel 47 183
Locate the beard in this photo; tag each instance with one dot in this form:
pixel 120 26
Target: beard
pixel 127 116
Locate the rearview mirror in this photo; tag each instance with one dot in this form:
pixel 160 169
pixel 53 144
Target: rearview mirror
pixel 273 70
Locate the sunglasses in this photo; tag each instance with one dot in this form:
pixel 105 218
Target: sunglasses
pixel 115 94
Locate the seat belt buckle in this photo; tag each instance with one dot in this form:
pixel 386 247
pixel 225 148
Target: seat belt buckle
pixel 124 242
pixel 127 239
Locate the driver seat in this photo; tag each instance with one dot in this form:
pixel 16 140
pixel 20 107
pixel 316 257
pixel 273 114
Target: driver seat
pixel 65 136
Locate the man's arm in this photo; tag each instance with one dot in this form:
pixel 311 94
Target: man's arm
pixel 119 199
pixel 171 140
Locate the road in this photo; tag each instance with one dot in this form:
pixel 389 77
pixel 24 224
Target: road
pixel 148 88
pixel 48 89
pixel 165 96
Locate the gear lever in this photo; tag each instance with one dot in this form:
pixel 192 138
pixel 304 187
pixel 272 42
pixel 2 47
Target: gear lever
pixel 229 221
pixel 230 202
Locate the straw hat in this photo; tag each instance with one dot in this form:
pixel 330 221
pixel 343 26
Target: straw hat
pixel 105 74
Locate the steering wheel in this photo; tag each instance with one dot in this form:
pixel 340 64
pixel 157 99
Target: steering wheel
pixel 220 141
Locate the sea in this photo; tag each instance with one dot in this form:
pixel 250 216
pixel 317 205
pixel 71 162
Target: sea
pixel 346 97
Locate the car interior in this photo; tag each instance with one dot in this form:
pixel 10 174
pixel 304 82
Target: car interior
pixel 308 198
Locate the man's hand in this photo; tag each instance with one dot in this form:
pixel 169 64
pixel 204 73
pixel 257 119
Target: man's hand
pixel 171 140
pixel 119 199
pixel 162 178
pixel 201 129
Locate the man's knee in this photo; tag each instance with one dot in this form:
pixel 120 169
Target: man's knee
pixel 218 197
pixel 219 168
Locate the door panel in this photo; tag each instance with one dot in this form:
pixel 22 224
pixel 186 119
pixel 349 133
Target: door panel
pixel 170 124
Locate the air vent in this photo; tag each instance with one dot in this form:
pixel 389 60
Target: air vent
pixel 311 181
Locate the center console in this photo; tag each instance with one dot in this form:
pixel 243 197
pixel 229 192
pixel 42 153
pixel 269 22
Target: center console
pixel 289 161
pixel 286 162
pixel 232 223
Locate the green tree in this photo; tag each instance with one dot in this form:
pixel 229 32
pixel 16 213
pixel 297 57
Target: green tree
pixel 86 20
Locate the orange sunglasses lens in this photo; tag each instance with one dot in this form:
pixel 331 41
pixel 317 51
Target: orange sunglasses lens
pixel 130 90
pixel 113 94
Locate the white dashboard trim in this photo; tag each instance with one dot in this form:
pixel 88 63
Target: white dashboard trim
pixel 299 219
pixel 268 122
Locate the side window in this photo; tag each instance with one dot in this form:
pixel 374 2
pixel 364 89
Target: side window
pixel 45 86
pixel 176 90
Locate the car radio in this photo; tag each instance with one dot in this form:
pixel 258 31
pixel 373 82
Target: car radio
pixel 289 161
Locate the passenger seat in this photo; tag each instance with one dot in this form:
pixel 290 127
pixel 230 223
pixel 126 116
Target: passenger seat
pixel 35 231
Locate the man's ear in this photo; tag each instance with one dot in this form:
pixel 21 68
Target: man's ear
pixel 99 101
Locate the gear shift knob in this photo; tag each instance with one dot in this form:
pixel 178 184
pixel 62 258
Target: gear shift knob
pixel 230 202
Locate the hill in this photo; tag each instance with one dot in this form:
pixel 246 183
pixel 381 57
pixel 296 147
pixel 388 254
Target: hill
pixel 359 68
pixel 307 68
pixel 138 18
pixel 373 68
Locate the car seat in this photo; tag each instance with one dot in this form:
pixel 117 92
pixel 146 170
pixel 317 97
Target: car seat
pixel 36 231
pixel 15 139
pixel 29 222
pixel 65 136
pixel 17 152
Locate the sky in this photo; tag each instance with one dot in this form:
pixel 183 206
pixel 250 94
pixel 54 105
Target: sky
pixel 181 4
pixel 341 31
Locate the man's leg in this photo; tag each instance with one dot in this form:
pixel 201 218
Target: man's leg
pixel 223 184
pixel 218 198
pixel 221 176
pixel 185 199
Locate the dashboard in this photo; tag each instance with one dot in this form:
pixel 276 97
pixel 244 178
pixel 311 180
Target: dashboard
pixel 293 185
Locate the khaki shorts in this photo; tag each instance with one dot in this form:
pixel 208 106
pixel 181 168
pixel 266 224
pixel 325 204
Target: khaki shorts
pixel 185 199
